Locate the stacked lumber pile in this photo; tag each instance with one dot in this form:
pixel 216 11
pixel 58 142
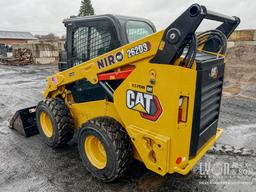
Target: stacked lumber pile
pixel 21 56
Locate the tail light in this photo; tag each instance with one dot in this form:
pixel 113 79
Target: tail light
pixel 183 109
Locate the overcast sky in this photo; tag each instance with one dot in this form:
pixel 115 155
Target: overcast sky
pixel 44 16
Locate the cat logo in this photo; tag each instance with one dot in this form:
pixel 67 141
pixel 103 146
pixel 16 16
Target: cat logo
pixel 214 73
pixel 148 105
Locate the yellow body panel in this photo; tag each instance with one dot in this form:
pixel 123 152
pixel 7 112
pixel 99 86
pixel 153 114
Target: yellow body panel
pixel 159 143
pixel 82 112
pixel 175 81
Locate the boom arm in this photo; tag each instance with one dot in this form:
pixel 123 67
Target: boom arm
pixel 163 47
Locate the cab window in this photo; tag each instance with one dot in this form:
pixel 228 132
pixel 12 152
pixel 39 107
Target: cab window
pixel 92 40
pixel 137 29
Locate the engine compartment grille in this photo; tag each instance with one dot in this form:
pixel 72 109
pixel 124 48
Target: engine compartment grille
pixel 210 103
pixel 210 74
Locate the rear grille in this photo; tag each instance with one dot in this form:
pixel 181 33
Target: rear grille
pixel 207 103
pixel 210 104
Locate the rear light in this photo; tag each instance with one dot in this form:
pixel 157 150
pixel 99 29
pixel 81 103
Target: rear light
pixel 178 160
pixel 183 109
pixel 180 115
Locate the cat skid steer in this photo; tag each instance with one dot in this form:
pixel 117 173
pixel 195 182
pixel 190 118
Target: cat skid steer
pixel 134 93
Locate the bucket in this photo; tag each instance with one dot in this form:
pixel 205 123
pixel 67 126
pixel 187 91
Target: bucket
pixel 24 122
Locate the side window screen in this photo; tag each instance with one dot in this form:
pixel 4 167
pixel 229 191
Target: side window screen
pixel 79 48
pixel 92 41
pixel 137 30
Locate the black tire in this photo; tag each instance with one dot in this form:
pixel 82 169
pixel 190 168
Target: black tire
pixel 61 119
pixel 116 143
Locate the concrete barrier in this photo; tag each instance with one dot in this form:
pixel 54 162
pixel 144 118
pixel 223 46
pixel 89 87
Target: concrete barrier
pixel 43 52
pixel 242 38
pixel 241 43
pixel 243 35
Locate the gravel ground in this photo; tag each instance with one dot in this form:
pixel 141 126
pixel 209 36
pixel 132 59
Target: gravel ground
pixel 29 165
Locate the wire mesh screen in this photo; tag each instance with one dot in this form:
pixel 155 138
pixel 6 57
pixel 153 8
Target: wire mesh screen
pixel 79 51
pixel 92 41
pixel 137 30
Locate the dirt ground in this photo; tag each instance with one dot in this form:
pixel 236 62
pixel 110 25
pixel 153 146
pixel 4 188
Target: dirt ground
pixel 26 164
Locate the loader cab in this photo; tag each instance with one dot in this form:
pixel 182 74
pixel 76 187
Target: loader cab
pixel 91 36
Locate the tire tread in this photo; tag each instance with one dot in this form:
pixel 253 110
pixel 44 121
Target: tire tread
pixel 63 118
pixel 120 140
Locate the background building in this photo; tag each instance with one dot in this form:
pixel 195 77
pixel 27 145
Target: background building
pixel 15 37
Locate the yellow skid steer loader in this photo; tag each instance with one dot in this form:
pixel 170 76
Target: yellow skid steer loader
pixel 132 92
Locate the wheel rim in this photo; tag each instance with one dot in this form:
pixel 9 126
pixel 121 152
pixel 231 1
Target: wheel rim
pixel 95 152
pixel 46 124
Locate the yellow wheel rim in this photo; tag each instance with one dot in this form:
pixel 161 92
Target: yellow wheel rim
pixel 95 152
pixel 46 124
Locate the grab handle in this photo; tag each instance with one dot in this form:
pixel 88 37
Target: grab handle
pixel 211 15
